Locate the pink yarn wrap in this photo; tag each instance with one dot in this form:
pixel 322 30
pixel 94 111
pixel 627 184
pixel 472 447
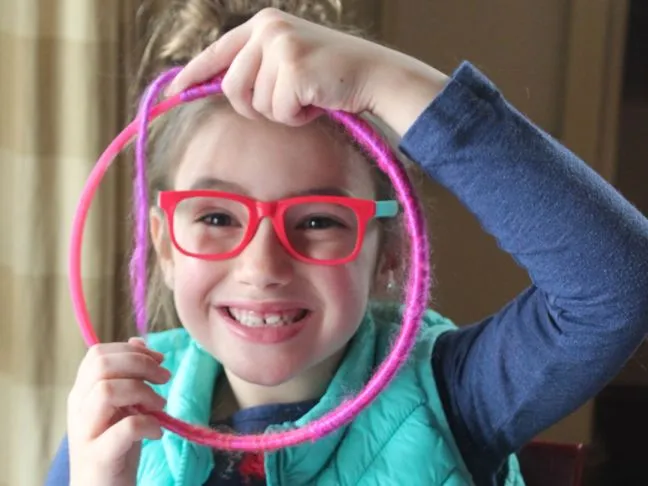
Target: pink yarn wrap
pixel 416 295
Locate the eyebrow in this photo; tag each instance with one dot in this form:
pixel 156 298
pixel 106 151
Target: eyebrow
pixel 212 183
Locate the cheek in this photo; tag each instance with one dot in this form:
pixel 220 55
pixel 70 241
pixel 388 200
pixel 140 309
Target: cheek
pixel 351 283
pixel 193 281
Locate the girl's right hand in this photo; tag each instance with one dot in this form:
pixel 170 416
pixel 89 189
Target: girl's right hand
pixel 287 69
pixel 104 437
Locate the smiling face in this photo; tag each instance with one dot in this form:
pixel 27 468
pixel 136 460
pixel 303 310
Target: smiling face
pixel 265 316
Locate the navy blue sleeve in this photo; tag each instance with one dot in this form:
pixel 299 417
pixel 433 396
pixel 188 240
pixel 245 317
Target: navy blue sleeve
pixel 584 246
pixel 59 473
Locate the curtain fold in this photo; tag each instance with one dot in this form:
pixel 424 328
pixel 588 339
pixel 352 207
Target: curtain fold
pixel 63 86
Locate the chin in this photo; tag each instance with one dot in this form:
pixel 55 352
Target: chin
pixel 272 370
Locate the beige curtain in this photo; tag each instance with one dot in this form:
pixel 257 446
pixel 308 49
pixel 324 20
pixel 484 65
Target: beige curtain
pixel 62 99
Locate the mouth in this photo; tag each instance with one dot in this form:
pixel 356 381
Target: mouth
pixel 250 318
pixel 266 324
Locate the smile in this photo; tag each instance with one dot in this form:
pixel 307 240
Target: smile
pixel 265 323
pixel 273 319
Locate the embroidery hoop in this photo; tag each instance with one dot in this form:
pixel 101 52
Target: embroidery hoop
pixel 415 298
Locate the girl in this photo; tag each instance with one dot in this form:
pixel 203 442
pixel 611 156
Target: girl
pixel 270 339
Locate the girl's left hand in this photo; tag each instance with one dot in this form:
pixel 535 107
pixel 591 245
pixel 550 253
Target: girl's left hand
pixel 287 69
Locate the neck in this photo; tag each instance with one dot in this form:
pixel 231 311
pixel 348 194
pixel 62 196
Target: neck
pixel 235 393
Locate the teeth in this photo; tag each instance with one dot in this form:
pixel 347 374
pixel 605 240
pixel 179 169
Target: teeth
pixel 272 319
pixel 252 319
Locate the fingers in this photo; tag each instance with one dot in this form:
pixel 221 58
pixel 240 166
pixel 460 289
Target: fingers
pixel 264 88
pixel 213 60
pixel 120 438
pixel 134 344
pixel 108 397
pixel 287 108
pixel 104 425
pixel 239 82
pixel 112 376
pixel 284 99
pixel 119 360
pixel 140 343
pixel 277 66
pixel 137 341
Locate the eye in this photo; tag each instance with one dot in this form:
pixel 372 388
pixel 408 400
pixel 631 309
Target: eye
pixel 218 219
pixel 320 223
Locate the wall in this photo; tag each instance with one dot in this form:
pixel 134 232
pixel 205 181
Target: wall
pixel 521 46
pixel 632 167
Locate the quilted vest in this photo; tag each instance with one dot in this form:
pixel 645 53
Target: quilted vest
pixel 402 438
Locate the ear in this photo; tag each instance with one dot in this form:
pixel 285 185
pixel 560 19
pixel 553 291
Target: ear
pixel 384 274
pixel 162 244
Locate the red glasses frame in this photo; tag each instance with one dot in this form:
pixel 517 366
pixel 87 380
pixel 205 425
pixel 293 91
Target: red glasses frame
pixel 364 209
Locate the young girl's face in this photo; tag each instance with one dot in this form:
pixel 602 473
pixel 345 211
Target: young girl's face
pixel 221 303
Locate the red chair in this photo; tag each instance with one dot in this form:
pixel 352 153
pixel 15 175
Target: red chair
pixel 552 464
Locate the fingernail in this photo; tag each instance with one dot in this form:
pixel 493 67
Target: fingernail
pixel 156 355
pixel 169 91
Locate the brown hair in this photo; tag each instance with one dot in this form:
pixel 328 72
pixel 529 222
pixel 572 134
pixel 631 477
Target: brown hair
pixel 178 31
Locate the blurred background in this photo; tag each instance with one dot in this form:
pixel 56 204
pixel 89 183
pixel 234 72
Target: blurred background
pixel 578 68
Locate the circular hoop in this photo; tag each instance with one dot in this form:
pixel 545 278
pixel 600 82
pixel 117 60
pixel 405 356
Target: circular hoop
pixel 415 298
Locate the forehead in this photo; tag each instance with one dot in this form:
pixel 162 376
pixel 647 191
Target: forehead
pixel 269 161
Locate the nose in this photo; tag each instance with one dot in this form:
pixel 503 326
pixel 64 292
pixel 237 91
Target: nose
pixel 264 263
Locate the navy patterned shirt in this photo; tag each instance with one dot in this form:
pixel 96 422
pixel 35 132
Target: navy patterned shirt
pixel 246 468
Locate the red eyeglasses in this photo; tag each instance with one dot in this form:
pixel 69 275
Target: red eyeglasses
pixel 215 225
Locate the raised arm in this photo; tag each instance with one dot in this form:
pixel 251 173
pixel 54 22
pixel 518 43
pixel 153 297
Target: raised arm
pixel 584 246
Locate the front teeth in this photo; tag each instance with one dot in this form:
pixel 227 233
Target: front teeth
pixel 273 319
pixel 247 318
pixel 252 319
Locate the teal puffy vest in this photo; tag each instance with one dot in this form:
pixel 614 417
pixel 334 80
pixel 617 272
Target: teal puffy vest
pixel 401 439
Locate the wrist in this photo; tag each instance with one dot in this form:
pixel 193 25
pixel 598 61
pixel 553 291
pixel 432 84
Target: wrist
pixel 402 90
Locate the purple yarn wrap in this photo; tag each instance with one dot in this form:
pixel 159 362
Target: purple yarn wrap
pixel 140 203
pixel 137 267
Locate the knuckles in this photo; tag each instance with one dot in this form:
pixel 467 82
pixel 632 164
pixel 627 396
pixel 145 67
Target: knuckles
pixel 270 14
pixel 106 390
pixel 95 351
pixel 280 30
pixel 101 366
pixel 132 425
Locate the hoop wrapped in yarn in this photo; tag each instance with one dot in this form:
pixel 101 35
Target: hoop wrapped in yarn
pixel 415 297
